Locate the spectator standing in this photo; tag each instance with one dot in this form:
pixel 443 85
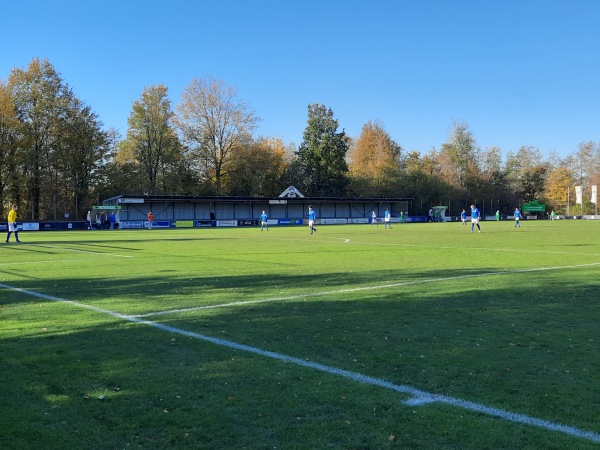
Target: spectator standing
pixel 112 219
pixel 150 219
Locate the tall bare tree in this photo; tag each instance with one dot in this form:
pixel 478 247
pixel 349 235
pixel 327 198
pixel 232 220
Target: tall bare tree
pixel 457 158
pixel 214 121
pixel 585 164
pixel 490 161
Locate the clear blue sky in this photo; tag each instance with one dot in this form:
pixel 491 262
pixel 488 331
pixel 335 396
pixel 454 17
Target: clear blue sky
pixel 519 72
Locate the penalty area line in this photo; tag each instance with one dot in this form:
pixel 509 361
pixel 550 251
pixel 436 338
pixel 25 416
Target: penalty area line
pixel 417 396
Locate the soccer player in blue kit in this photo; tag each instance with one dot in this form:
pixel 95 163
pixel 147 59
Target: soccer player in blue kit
pixel 263 221
pixel 374 219
pixel 517 217
pixel 312 215
pixel 475 215
pixel 387 219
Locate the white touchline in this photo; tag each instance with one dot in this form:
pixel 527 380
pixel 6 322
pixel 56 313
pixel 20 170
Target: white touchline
pixel 418 397
pixel 358 289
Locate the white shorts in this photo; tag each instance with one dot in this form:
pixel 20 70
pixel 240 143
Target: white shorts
pixel 387 219
pixel 311 223
pixel 12 227
pixel 475 220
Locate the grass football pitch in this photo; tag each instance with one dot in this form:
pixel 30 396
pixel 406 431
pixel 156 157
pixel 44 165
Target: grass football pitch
pixel 423 336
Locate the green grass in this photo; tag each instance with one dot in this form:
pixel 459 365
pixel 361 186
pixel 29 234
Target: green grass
pixel 429 306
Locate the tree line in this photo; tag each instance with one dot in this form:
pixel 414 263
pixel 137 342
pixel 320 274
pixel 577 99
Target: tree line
pixel 57 159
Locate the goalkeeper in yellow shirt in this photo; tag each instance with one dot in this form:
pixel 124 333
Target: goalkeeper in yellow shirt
pixel 12 224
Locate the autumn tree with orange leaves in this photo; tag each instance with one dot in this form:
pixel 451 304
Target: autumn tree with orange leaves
pixel 374 161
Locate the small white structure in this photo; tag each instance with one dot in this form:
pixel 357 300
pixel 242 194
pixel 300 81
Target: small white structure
pixel 291 191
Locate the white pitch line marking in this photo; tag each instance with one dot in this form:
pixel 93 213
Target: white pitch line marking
pixel 491 249
pixel 46 261
pixel 76 250
pixel 358 289
pixel 418 396
pixel 444 247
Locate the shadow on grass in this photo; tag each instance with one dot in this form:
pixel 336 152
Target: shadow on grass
pixel 523 343
pixel 142 289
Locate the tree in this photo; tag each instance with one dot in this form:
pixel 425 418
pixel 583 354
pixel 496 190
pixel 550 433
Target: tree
pixel 374 160
pixel 60 147
pixel 534 182
pixel 557 186
pixel 151 141
pixel 9 144
pixel 490 161
pixel 256 170
pixel 80 152
pixel 214 122
pixel 585 164
pixel 413 162
pixel 526 174
pixel 457 157
pixel 322 155
pixel 38 94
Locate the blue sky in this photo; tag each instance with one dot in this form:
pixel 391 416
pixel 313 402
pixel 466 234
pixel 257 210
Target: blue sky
pixel 518 72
